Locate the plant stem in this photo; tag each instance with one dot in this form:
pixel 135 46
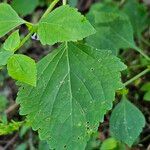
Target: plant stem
pixel 137 76
pixel 143 54
pixel 25 39
pixel 50 8
pixel 64 2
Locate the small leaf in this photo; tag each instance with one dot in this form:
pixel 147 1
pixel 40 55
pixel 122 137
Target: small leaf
pixel 147 96
pixel 4 56
pixel 24 7
pixel 126 122
pixel 22 68
pixel 146 88
pixel 12 41
pixel 109 144
pixel 8 19
pixel 64 24
pixel 75 88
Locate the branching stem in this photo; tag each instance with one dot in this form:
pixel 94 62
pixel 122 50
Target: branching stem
pixel 137 76
pixel 50 8
pixel 25 39
pixel 143 54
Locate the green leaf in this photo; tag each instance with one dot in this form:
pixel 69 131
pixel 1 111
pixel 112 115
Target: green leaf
pixel 147 96
pixel 22 68
pixel 24 7
pixel 4 56
pixel 146 89
pixel 8 19
pixel 76 86
pixel 73 3
pixel 3 103
pixel 126 122
pixel 138 15
pixel 64 24
pixel 43 146
pixel 12 41
pixel 114 30
pixel 9 128
pixel 109 144
pixel 22 146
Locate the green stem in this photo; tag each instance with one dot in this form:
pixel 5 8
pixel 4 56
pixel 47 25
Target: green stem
pixel 142 53
pixel 50 8
pixel 64 2
pixel 25 39
pixel 137 76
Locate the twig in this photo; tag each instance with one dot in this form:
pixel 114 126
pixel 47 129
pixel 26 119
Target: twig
pixel 11 141
pixel 11 108
pixel 50 8
pixel 137 76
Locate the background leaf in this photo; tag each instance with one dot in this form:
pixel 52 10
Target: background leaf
pixel 126 122
pixel 8 19
pixel 24 7
pixel 138 15
pixel 114 30
pixel 146 89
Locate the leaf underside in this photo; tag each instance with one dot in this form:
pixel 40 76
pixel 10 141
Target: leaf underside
pixel 64 24
pixel 76 86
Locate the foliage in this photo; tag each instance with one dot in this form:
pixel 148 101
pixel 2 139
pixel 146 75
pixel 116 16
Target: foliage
pixel 9 128
pixel 146 89
pixel 68 92
pixel 3 103
pixel 123 122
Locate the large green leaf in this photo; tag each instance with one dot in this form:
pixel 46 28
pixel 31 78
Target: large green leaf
pixel 8 19
pixel 126 122
pixel 12 42
pixel 64 24
pixel 138 15
pixel 22 68
pixel 76 86
pixel 24 7
pixel 114 30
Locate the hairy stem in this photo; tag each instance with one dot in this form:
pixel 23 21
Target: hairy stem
pixel 50 8
pixel 137 76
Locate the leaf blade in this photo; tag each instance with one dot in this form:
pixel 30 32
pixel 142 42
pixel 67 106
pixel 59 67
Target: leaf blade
pixel 12 42
pixel 9 19
pixel 123 120
pixel 64 24
pixel 22 68
pixel 64 98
